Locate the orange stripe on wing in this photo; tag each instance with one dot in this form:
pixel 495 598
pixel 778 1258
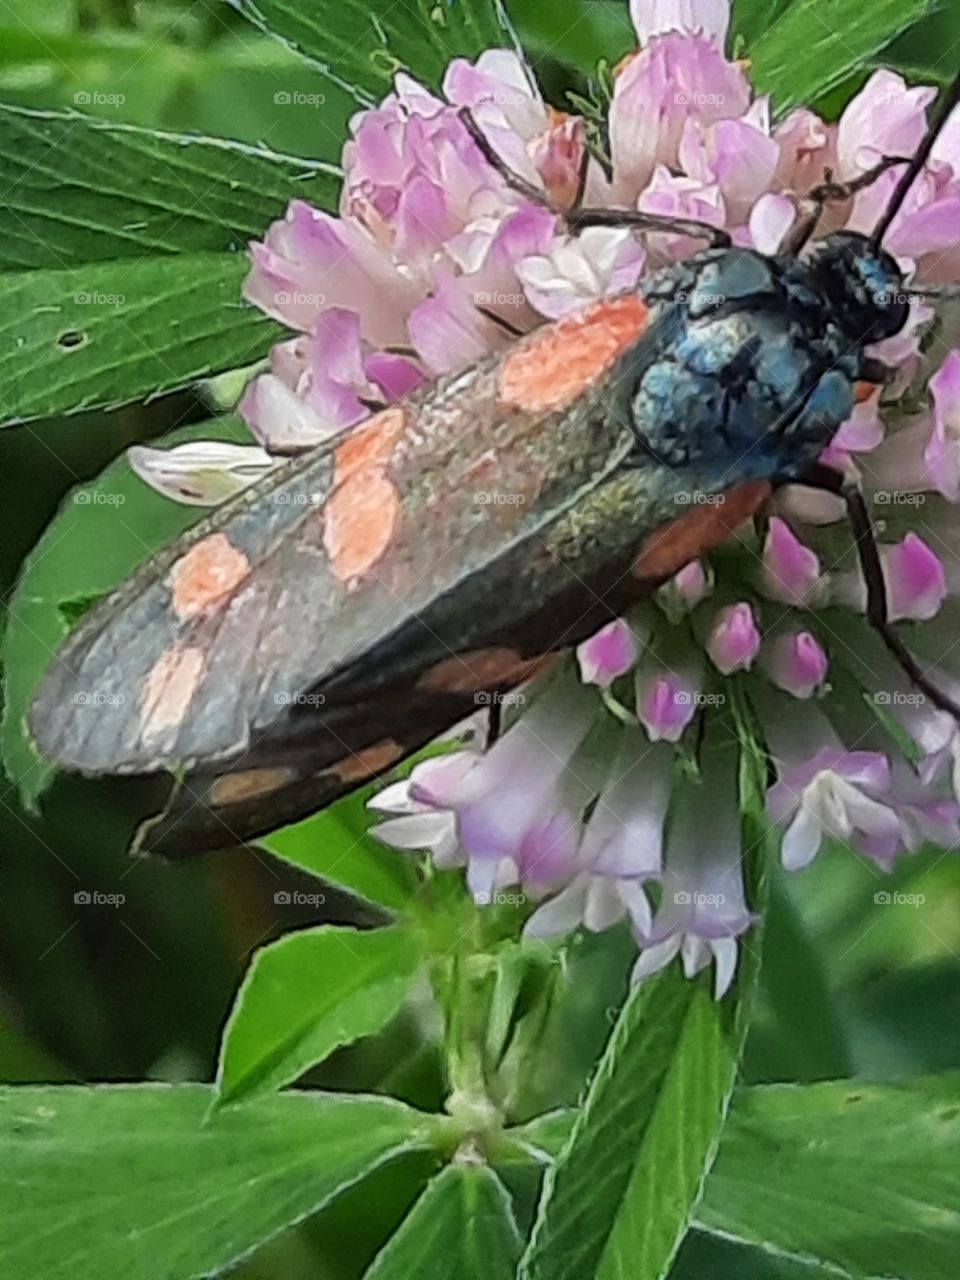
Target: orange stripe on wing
pixel 667 550
pixel 555 365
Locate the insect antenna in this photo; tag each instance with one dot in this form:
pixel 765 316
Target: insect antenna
pixel 577 217
pixel 950 99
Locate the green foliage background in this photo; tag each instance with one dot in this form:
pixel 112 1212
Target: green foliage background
pixel 90 993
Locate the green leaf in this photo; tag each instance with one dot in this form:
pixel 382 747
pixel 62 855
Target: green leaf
pixel 307 995
pixel 129 1181
pixel 86 190
pixel 817 44
pixel 110 332
pixel 865 1178
pixel 461 1228
pixel 619 1198
pixel 361 44
pixel 102 531
pixel 334 846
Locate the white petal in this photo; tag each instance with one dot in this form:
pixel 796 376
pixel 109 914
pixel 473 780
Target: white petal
pixel 725 958
pixel 801 840
pixel 653 959
pixel 203 473
pixel 561 914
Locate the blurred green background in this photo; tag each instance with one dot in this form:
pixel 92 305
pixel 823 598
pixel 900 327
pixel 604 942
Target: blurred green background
pixel 140 991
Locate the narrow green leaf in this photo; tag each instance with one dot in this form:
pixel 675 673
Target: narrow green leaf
pixel 111 332
pixel 307 995
pixel 361 44
pixel 461 1228
pixel 81 190
pixel 619 1198
pixel 334 846
pixel 129 1181
pixel 865 1178
pixel 102 531
pixel 816 44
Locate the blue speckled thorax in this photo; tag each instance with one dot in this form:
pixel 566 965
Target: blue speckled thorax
pixel 750 363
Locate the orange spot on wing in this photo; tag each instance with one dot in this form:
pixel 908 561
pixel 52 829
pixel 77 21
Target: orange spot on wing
pixel 676 544
pixel 249 784
pixel 369 446
pixel 370 761
pixel 561 361
pixel 480 669
pixel 359 522
pixel 169 690
pixel 206 575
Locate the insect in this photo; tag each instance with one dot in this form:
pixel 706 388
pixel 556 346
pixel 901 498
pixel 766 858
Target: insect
pixel 360 600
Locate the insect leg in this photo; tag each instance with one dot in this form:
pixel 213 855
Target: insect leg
pixel 494 722
pixel 576 217
pixel 830 481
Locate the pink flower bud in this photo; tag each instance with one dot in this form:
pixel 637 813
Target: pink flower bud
pixel 666 703
pixel 790 571
pixel 796 663
pixel 734 640
pixel 608 654
pixel 916 582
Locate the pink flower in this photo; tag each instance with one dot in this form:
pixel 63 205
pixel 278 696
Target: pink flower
pixel 676 77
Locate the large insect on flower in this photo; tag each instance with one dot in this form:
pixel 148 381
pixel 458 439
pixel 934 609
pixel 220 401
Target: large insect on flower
pixel 356 602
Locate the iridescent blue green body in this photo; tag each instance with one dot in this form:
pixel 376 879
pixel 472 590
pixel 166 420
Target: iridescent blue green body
pixel 750 365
